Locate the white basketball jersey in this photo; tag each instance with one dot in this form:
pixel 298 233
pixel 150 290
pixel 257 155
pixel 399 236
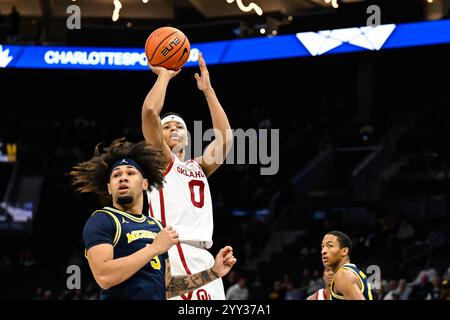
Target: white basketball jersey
pixel 321 294
pixel 184 202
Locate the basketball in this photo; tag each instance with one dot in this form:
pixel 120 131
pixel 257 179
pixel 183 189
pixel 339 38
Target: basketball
pixel 167 47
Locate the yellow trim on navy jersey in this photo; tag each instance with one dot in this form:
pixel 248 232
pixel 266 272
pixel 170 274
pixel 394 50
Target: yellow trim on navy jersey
pixel 118 226
pixel 127 215
pixel 369 291
pixel 335 295
pixel 346 266
pixel 158 223
pixel 357 275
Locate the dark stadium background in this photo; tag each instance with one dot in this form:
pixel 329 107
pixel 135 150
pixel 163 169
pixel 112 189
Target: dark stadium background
pixel 57 117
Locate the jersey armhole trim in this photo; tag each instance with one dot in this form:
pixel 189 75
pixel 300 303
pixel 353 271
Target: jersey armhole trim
pixel 358 276
pixel 117 223
pixel 172 160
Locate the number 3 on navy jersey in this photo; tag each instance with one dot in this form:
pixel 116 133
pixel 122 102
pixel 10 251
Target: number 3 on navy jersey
pixel 155 263
pixel 197 189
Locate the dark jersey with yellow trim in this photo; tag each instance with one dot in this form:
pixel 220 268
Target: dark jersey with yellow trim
pixel 128 233
pixel 364 284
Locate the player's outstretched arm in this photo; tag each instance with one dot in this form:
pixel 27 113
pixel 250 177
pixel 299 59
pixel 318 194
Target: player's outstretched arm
pixel 176 286
pixel 151 108
pixel 348 285
pixel 216 152
pixel 109 272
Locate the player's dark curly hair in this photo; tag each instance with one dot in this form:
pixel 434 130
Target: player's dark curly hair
pixel 344 240
pixel 92 175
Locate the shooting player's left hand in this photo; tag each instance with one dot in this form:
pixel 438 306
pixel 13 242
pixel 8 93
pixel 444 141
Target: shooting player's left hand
pixel 224 261
pixel 203 81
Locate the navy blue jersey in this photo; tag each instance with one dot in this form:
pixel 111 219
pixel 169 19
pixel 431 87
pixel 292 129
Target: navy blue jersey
pixel 364 285
pixel 128 233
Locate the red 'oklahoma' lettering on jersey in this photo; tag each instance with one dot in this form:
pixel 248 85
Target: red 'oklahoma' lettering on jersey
pixel 196 174
pixel 185 203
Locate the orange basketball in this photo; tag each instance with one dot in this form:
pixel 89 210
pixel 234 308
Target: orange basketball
pixel 167 47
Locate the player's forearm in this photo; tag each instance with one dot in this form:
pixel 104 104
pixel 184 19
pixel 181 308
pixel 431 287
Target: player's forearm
pixel 219 120
pixel 218 116
pixel 183 284
pixel 118 270
pixel 154 100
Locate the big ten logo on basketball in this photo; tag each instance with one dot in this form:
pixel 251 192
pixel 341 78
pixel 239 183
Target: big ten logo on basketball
pixel 375 16
pixel 74 278
pixel 251 146
pixel 172 44
pixel 374 276
pixel 74 20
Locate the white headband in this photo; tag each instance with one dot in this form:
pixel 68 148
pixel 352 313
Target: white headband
pixel 173 117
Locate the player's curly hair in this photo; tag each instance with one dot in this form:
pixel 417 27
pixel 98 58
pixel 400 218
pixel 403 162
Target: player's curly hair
pixel 92 175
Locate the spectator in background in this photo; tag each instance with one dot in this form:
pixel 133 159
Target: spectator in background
pixel 291 292
pixel 429 271
pixel 257 290
pixel 436 291
pixel 423 290
pixel 230 280
pixel 324 293
pixel 403 290
pixel 445 290
pixel 14 21
pixel 277 292
pixel 393 293
pixel 304 282
pixel 238 291
pixel 380 294
pixel 447 274
pixel 315 283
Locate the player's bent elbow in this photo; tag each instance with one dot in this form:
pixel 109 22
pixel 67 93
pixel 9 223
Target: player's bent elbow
pixel 104 282
pixel 149 110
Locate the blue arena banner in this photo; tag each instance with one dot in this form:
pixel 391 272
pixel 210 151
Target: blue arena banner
pixel 304 44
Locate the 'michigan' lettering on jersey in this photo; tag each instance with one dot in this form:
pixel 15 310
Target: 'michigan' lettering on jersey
pixel 140 234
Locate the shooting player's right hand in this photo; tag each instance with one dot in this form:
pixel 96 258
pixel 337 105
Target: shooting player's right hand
pixel 161 71
pixel 165 239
